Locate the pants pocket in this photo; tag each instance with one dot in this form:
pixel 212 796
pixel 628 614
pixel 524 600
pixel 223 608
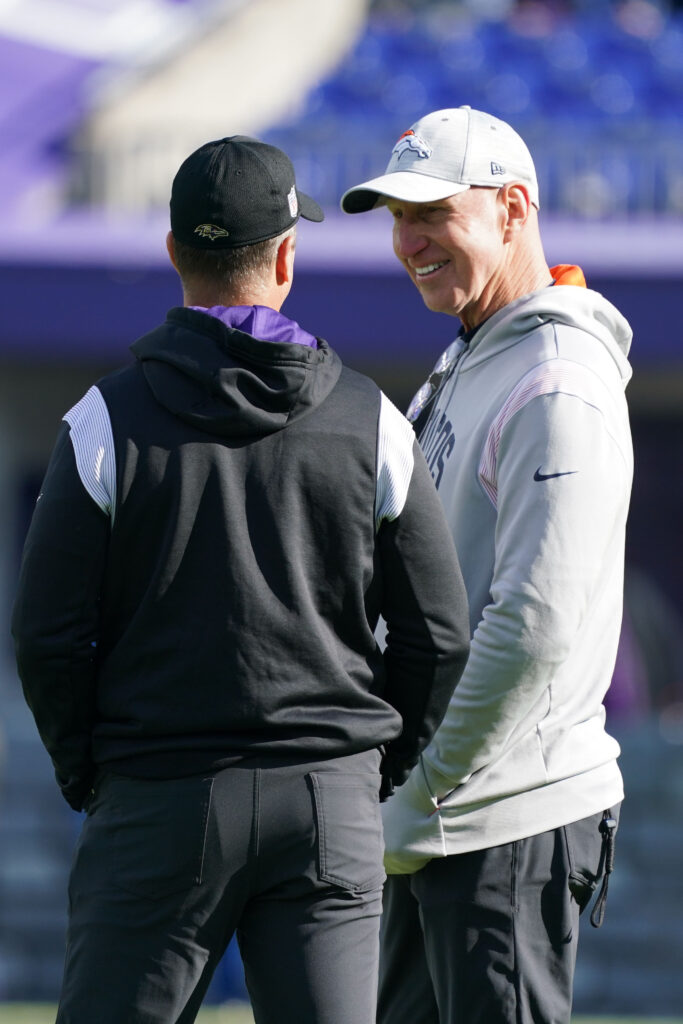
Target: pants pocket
pixel 158 833
pixel 349 827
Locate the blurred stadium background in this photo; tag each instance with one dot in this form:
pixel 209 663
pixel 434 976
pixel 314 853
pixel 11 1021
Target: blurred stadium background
pixel 99 102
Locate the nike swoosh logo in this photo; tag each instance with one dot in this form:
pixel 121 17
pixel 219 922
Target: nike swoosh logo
pixel 549 476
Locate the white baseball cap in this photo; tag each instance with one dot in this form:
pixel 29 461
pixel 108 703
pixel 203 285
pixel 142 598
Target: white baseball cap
pixel 444 153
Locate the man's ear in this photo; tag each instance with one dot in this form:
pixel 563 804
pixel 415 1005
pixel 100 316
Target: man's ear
pixel 518 206
pixel 170 248
pixel 284 261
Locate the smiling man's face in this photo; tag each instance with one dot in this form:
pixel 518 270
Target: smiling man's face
pixel 454 251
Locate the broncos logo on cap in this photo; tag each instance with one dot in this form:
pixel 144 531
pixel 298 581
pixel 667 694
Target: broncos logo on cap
pixel 410 142
pixel 211 231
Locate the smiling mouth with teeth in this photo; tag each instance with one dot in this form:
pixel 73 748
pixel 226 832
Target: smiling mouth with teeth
pixel 429 269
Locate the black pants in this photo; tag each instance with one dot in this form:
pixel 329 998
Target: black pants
pixel 289 858
pixel 489 937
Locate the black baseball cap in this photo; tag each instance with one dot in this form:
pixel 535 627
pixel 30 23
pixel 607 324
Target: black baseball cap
pixel 236 191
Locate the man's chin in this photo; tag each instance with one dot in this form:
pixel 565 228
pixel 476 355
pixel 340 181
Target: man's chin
pixel 438 305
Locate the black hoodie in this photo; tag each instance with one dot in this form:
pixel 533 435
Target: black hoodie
pixel 220 527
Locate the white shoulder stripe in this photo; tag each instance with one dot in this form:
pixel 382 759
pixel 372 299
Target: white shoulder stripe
pixel 394 461
pixel 93 444
pixel 556 375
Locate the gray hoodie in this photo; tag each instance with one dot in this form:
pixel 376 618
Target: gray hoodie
pixel 529 443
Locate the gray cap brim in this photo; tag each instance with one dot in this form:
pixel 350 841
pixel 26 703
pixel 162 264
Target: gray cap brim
pixel 408 186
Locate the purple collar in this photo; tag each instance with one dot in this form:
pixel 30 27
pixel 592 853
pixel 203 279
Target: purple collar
pixel 261 322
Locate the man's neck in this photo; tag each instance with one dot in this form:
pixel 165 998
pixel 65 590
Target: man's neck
pixel 210 297
pixel 521 275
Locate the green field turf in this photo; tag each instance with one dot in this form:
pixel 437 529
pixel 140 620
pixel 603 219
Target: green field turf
pixel 41 1013
pixel 44 1013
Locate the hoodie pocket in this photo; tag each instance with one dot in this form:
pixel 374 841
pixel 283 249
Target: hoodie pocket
pixel 440 791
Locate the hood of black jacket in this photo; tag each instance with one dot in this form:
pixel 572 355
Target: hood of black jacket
pixel 226 382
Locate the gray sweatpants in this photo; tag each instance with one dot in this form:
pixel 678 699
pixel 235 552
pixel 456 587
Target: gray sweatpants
pixel 289 858
pixel 489 937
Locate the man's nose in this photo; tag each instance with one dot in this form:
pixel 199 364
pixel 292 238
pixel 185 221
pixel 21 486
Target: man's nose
pixel 408 240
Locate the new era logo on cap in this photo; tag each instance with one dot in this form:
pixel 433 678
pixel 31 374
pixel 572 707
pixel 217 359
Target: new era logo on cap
pixel 444 153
